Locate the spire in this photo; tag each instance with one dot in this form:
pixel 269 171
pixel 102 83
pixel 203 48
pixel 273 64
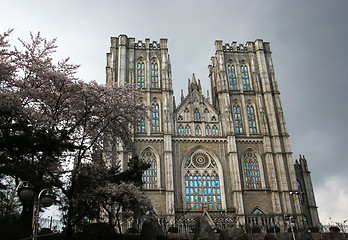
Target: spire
pixel 182 95
pixel 194 84
pixel 208 96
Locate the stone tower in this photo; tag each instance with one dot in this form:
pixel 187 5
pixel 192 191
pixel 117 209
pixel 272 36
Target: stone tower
pixel 147 65
pixel 227 157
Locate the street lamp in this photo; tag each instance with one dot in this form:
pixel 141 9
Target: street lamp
pixel 26 193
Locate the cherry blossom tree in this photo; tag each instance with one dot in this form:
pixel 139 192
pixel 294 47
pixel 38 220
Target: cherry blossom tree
pixel 76 114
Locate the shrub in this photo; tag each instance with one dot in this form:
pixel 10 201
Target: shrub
pixel 334 229
pixel 313 229
pixel 173 230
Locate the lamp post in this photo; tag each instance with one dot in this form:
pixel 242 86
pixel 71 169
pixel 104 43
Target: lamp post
pixel 291 219
pixel 26 193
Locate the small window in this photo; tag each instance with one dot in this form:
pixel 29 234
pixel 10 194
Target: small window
pixel 245 77
pixel 141 74
pixel 154 75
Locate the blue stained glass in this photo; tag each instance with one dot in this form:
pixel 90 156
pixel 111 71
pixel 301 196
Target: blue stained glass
pixel 209 190
pixel 141 75
pixel 187 198
pixel 205 191
pixel 154 75
pixel 232 77
pixel 187 191
pixel 217 190
pixel 251 119
pixel 237 119
pixel 196 198
pixel 191 190
pixel 245 77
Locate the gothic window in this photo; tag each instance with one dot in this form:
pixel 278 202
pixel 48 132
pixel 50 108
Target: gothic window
pixel 187 130
pixel 300 191
pixel 206 115
pixel 140 127
pixel 202 183
pixel 181 130
pixel 251 118
pixel 149 175
pixel 141 74
pixel 257 212
pixel 237 116
pixel 245 77
pixel 251 171
pixel 180 118
pixel 196 115
pixel 198 131
pixel 186 114
pixel 154 75
pixel 155 116
pixel 213 119
pixel 208 131
pixel 305 220
pixel 232 80
pixel 215 131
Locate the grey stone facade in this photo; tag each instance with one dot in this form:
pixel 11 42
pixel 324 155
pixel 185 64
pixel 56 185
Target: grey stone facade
pixel 201 128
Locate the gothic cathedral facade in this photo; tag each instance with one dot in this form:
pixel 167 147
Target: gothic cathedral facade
pixel 229 156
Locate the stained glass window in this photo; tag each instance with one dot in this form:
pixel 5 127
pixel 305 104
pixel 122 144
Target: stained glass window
pixel 181 130
pixel 237 116
pixel 257 212
pixel 140 125
pixel 198 131
pixel 202 183
pixel 141 75
pixel 150 175
pixel 305 220
pixel 215 131
pixel 208 131
pixel 154 75
pixel 187 130
pixel 155 117
pixel 232 80
pixel 300 190
pixel 196 115
pixel 251 119
pixel 245 77
pixel 251 171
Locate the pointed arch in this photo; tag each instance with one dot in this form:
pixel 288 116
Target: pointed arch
pixel 215 130
pixel 251 118
pixel 245 77
pixel 202 182
pixel 300 196
pixel 150 176
pixel 140 128
pixel 154 74
pixel 181 130
pixel 257 211
pixel 252 171
pixel 196 114
pixel 155 115
pixel 198 131
pixel 237 117
pixel 231 74
pixel 208 130
pixel 187 130
pixel 140 73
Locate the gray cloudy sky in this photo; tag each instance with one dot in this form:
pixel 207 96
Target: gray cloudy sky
pixel 308 41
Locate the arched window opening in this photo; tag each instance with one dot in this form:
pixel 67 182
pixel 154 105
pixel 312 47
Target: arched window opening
pixel 245 77
pixel 206 115
pixel 251 119
pixel 213 119
pixel 202 183
pixel 232 80
pixel 149 175
pixel 140 126
pixel 141 74
pixel 237 116
pixel 187 130
pixel 196 115
pixel 300 196
pixel 215 131
pixel 181 130
pixel 186 114
pixel 305 220
pixel 208 131
pixel 155 117
pixel 251 171
pixel 154 75
pixel 198 131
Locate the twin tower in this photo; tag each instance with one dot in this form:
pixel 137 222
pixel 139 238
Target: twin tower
pixel 227 157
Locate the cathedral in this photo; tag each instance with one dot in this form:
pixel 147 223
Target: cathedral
pixel 226 157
